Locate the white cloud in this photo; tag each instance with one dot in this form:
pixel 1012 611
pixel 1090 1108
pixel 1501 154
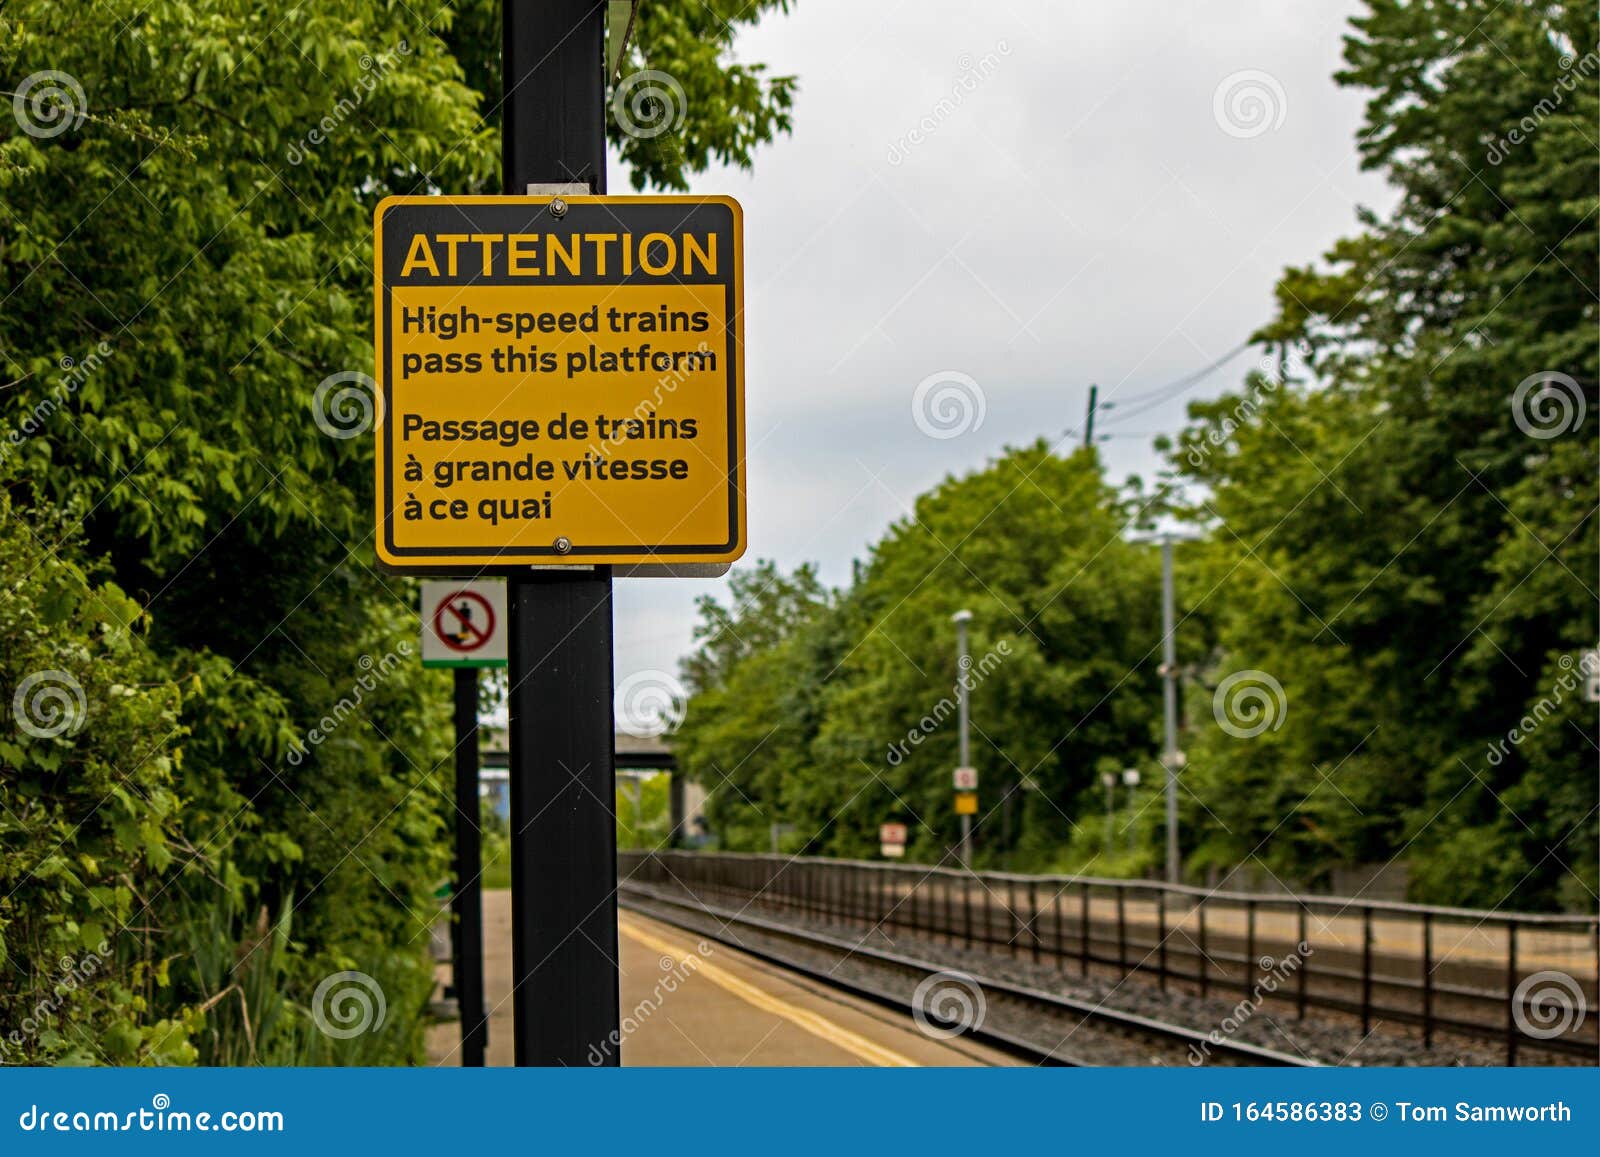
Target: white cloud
pixel 1079 216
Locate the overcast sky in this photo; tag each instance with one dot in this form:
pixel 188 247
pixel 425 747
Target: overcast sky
pixel 1033 194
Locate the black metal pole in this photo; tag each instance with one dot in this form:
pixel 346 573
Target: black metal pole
pixel 466 899
pixel 563 794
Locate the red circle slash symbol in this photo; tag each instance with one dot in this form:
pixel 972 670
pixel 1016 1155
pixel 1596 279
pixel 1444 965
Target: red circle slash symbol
pixel 462 611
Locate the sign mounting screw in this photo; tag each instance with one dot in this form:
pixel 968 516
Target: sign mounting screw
pixel 558 208
pixel 563 545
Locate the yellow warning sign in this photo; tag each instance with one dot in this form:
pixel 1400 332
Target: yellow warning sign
pixel 561 381
pixel 966 803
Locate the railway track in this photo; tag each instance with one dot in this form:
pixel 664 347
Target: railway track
pixel 1391 982
pixel 1024 1021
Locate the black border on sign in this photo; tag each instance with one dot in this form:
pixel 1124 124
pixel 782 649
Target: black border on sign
pixel 490 557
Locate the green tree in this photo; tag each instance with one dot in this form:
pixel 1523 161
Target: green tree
pixel 685 99
pixel 745 731
pixel 185 262
pixel 836 714
pixel 1403 538
pixel 644 812
pixel 87 828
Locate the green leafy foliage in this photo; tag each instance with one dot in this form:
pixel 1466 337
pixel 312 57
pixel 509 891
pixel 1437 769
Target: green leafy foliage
pixel 644 812
pixel 728 107
pixel 88 763
pixel 1399 542
pixel 836 712
pixel 685 99
pixel 1387 538
pixel 260 796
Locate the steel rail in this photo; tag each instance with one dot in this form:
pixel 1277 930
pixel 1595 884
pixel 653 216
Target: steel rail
pixel 1126 1022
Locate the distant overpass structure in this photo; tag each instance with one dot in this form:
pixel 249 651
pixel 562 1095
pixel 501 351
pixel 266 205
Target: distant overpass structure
pixel 686 801
pixel 644 753
pixel 634 753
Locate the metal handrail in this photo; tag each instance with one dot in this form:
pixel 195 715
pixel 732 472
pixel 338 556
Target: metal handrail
pixel 887 894
pixel 1293 899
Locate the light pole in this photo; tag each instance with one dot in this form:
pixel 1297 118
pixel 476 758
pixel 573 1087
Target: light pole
pixel 1109 778
pixel 1130 780
pixel 1169 673
pixel 963 663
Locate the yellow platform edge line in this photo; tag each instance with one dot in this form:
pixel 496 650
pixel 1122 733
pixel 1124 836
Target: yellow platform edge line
pixel 817 1025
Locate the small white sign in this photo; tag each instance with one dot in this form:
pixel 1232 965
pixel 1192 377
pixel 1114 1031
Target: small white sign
pixel 966 779
pixel 464 624
pixel 893 851
pixel 1591 669
pixel 892 834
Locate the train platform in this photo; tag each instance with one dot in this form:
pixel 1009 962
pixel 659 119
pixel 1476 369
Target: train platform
pixel 690 1002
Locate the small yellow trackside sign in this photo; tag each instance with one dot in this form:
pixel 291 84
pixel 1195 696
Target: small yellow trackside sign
pixel 561 381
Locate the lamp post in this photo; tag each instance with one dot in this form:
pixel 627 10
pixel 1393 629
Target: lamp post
pixel 963 663
pixel 1130 780
pixel 1110 780
pixel 1169 673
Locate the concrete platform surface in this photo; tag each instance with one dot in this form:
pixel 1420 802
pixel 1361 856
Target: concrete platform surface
pixel 689 1001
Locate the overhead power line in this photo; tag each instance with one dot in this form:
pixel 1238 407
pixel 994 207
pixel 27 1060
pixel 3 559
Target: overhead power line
pixel 1137 404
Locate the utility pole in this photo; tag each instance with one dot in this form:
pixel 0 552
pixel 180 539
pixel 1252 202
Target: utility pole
pixel 1169 674
pixel 1088 424
pixel 563 784
pixel 466 899
pixel 964 717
